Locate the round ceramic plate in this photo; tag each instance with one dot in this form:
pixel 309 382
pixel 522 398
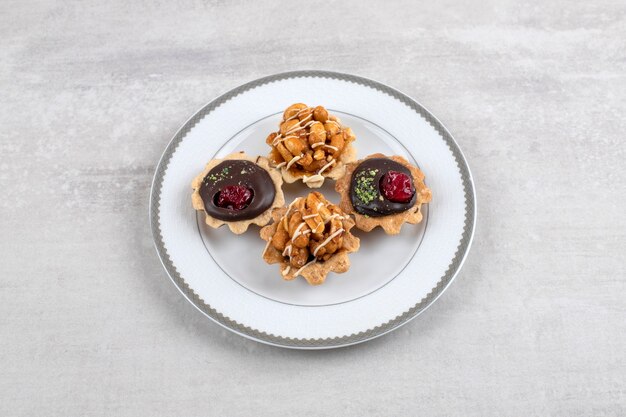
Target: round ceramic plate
pixel 391 279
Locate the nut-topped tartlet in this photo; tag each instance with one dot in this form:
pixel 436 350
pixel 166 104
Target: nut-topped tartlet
pixel 383 191
pixel 311 145
pixel 238 190
pixel 311 237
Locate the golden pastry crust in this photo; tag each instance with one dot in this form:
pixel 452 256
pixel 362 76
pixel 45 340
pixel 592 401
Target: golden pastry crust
pixel 240 226
pixel 311 145
pixel 309 227
pixel 392 223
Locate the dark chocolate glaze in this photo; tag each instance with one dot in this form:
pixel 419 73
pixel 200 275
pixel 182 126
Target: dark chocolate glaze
pixel 237 172
pixel 378 206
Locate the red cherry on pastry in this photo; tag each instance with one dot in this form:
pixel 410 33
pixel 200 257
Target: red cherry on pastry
pixel 397 187
pixel 234 197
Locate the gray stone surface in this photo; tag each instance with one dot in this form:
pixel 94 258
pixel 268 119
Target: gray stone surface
pixel 91 92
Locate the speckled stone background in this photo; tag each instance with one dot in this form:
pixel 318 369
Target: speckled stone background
pixel 92 91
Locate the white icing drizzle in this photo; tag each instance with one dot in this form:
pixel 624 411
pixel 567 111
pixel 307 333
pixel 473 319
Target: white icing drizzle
pixel 286 270
pixel 304 266
pixel 282 164
pixel 278 139
pixel 293 161
pixel 307 118
pixel 266 246
pixel 318 144
pixel 289 207
pixel 332 217
pixel 299 127
pixel 299 113
pixel 318 177
pixel 325 242
pixel 325 167
pixel 297 232
pixel 312 178
pixel 287 251
pixel 309 216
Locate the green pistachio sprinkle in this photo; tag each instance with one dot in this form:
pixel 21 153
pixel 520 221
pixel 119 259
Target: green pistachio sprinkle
pixel 365 189
pixel 222 175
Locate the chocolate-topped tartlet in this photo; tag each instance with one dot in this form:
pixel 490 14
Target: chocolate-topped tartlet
pixel 381 187
pixel 238 190
pixel 383 191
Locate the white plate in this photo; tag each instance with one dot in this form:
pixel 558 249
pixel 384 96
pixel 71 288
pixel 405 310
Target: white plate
pixel 392 278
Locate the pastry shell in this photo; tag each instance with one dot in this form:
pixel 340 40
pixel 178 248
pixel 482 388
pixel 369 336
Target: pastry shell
pixel 239 226
pixel 315 273
pixel 392 223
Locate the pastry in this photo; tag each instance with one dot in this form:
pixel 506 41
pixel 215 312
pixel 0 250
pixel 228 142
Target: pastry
pixel 311 237
pixel 238 191
pixel 383 191
pixel 311 145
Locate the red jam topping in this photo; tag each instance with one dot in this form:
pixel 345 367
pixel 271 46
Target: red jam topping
pixel 397 187
pixel 234 197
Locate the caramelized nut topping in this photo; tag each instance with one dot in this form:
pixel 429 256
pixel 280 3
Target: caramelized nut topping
pixel 309 144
